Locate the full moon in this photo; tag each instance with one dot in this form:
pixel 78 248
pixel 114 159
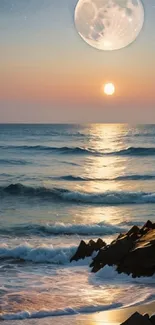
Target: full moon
pixel 109 24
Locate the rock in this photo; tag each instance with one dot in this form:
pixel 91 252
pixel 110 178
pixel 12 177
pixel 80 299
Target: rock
pixel 112 254
pixel 152 319
pixel 99 244
pixel 99 261
pixel 120 236
pixel 80 253
pixel 132 253
pixel 139 262
pixel 86 250
pixel 147 226
pixel 137 319
pixel 146 316
pixel 134 230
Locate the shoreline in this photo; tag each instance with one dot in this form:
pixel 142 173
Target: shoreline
pixel 111 317
pixel 120 315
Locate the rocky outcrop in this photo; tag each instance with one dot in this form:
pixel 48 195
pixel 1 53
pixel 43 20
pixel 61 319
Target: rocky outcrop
pixel 138 319
pixel 112 254
pixel 86 250
pixel 132 253
pixel 152 319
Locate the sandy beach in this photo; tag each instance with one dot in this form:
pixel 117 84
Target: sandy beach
pixel 114 317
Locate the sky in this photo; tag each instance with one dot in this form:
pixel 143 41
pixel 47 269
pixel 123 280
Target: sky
pixel 48 74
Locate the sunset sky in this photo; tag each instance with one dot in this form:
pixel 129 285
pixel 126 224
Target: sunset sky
pixel 49 74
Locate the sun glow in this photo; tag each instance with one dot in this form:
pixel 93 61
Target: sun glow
pixel 109 89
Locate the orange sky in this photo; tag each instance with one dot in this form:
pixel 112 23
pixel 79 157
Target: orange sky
pixel 46 62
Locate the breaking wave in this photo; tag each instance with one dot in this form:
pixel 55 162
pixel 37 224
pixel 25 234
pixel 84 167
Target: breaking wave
pixel 59 312
pixel 41 254
pixel 65 195
pixel 56 229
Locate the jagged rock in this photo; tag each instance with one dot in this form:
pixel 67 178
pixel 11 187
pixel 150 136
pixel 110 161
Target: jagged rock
pixel 152 319
pixel 112 254
pixel 120 236
pixel 99 244
pixel 80 253
pixel 139 262
pixel 132 253
pixel 137 319
pixel 146 316
pixel 147 226
pixel 86 250
pixel 134 230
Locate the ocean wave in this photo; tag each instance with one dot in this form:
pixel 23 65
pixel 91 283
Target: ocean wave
pixel 65 195
pixel 144 134
pixel 107 274
pixel 135 151
pixel 72 178
pixel 57 229
pixel 131 223
pixel 130 151
pixel 14 162
pixel 86 309
pixel 41 254
pixel 62 150
pixel 97 179
pixel 59 312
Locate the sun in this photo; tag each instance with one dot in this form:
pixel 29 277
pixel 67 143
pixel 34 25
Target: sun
pixel 109 89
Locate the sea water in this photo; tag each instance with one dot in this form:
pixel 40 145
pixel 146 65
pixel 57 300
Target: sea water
pixel 60 184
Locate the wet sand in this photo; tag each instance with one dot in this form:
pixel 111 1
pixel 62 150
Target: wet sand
pixel 113 317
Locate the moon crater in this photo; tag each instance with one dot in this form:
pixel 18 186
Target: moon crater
pixel 109 24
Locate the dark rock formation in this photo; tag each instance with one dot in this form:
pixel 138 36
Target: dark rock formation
pixel 152 319
pixel 86 250
pixel 112 254
pixel 147 225
pixel 140 261
pixel 138 319
pixel 131 253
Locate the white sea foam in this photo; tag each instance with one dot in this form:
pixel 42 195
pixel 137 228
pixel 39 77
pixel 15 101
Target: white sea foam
pixel 60 228
pixel 84 229
pixel 65 195
pixel 87 309
pixel 41 254
pixel 112 198
pixel 58 312
pixel 109 273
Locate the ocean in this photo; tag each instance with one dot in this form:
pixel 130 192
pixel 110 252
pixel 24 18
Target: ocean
pixel 60 184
